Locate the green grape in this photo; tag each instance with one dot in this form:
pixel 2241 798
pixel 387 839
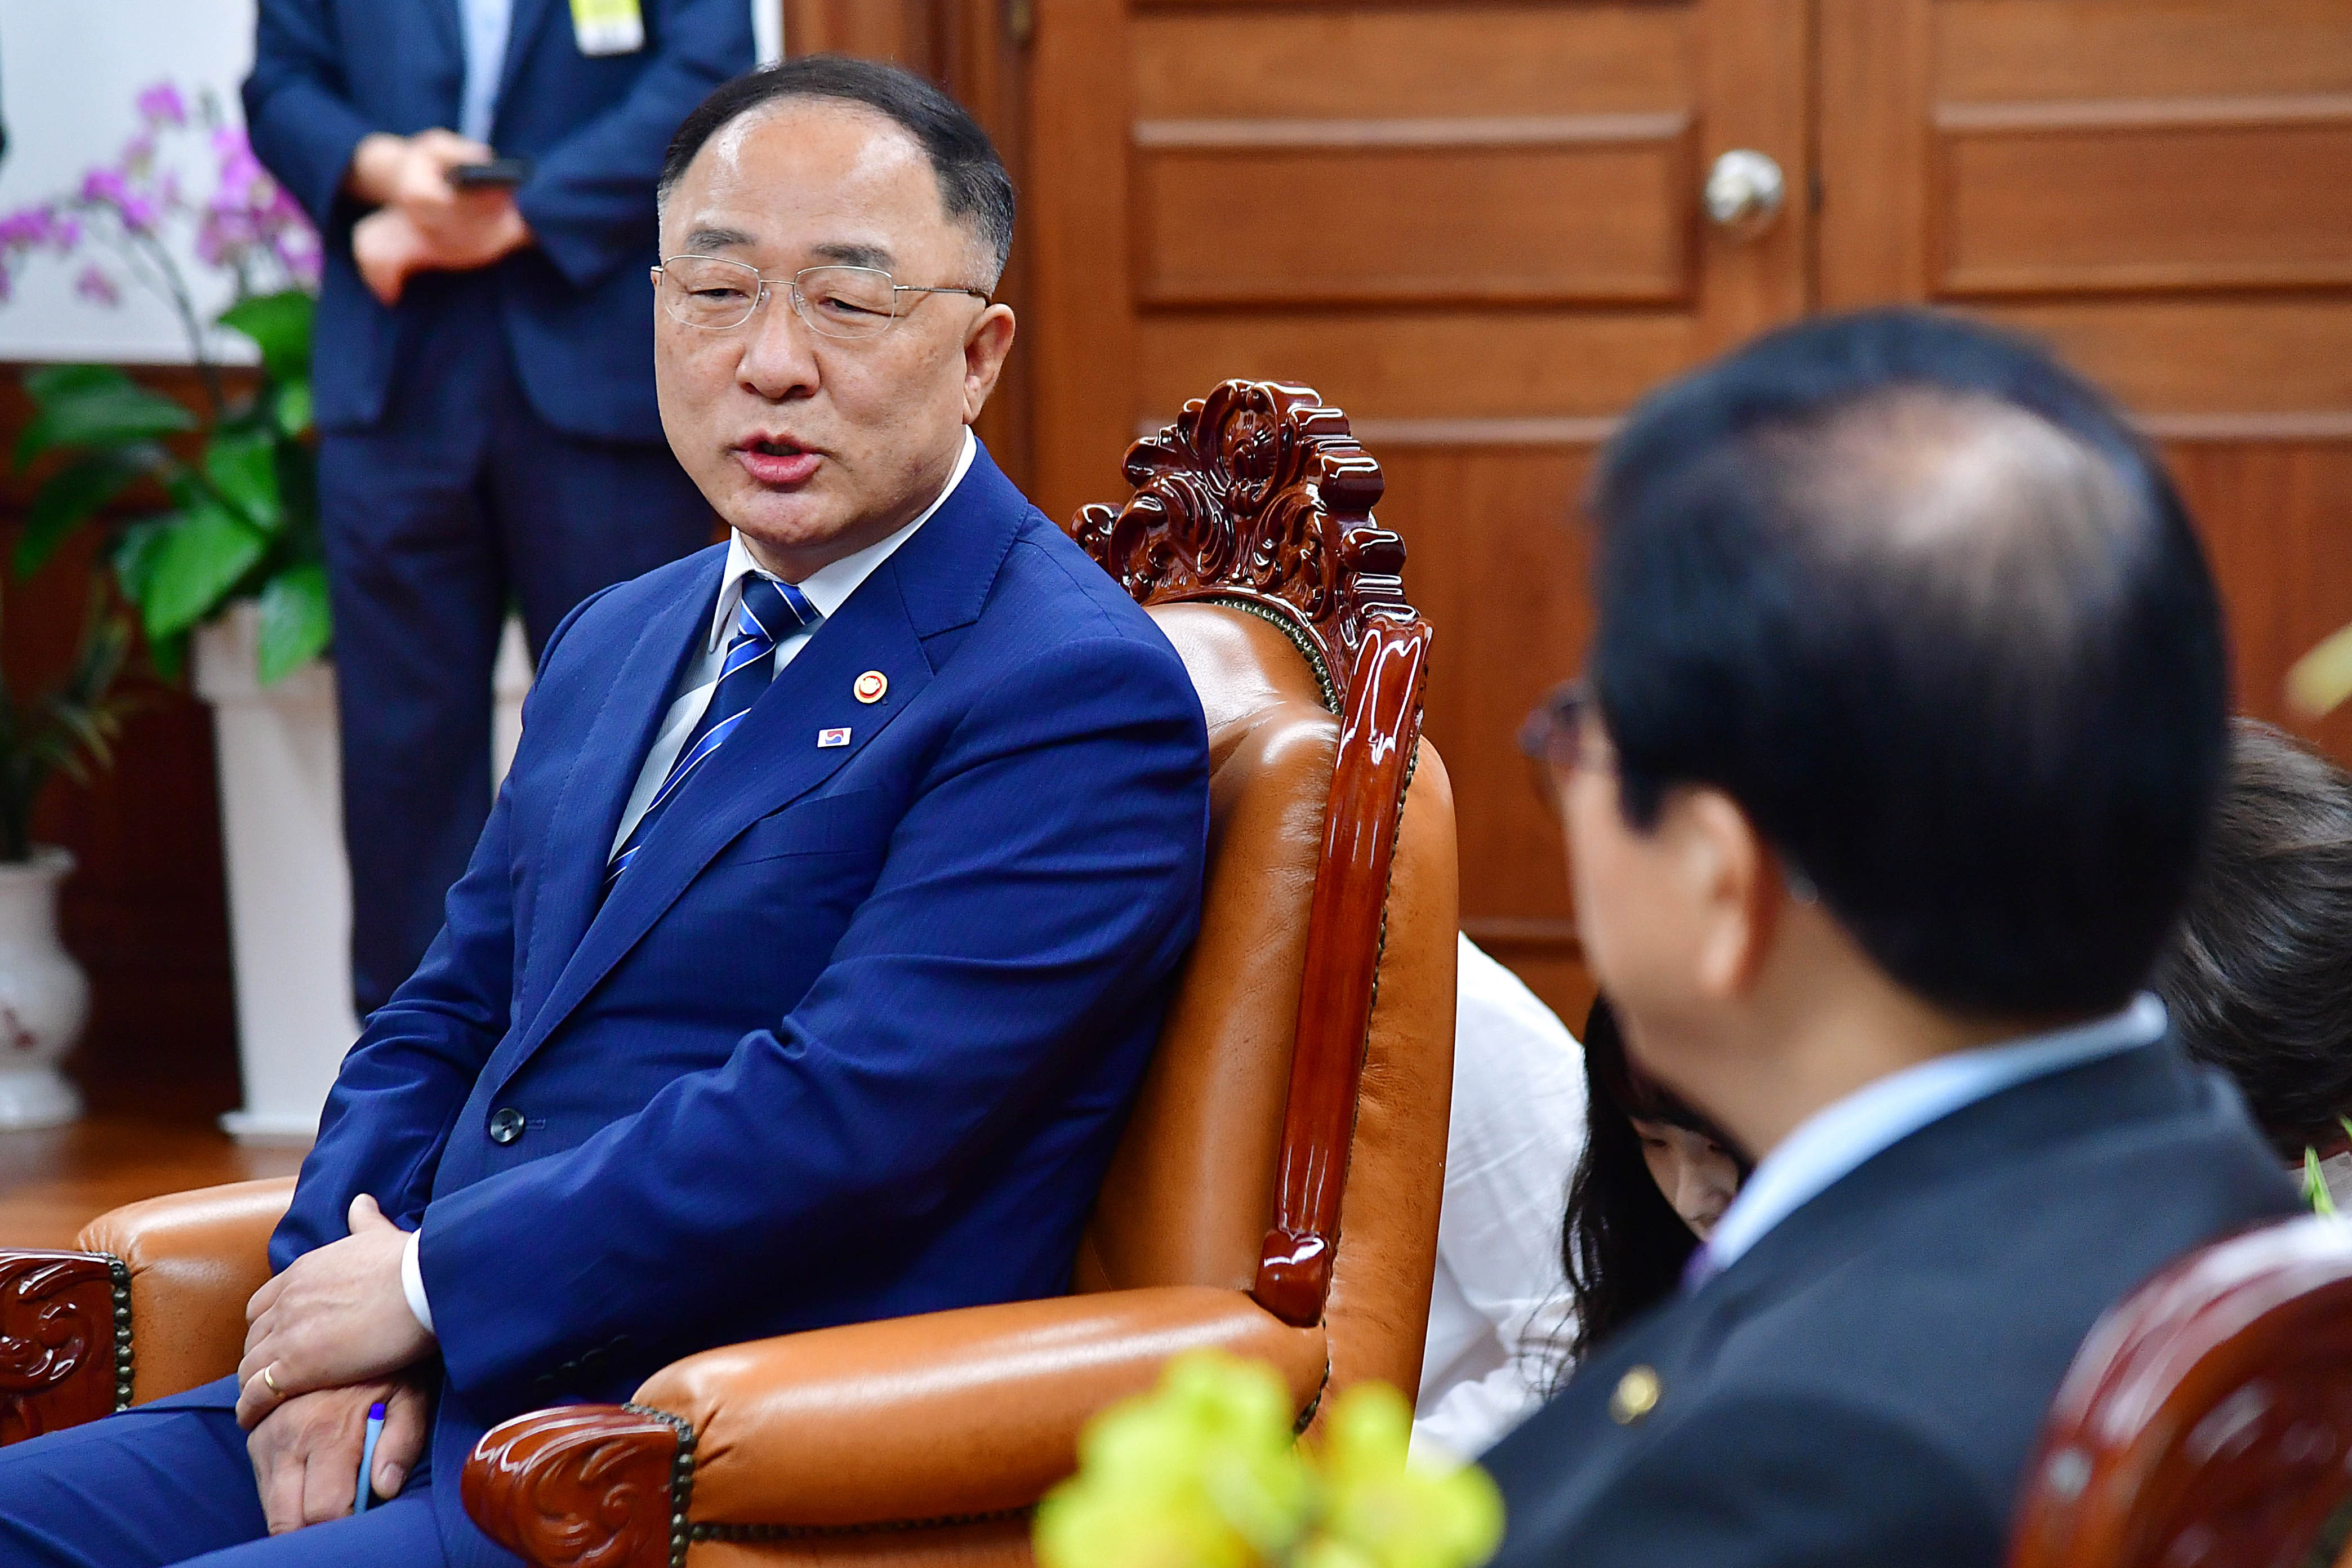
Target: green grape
pixel 1398 1513
pixel 1203 1472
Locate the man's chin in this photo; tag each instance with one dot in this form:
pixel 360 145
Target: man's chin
pixel 777 533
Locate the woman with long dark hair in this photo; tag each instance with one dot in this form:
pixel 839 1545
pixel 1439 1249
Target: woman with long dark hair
pixel 1655 1177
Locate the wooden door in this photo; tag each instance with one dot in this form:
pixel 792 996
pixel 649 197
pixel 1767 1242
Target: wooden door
pixel 2163 190
pixel 1476 228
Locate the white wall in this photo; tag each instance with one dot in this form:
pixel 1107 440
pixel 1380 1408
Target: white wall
pixel 68 72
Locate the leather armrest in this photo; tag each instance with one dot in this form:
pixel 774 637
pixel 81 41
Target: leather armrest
pixel 946 1414
pixel 943 1416
pixel 193 1259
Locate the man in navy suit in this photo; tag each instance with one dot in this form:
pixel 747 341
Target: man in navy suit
pixel 817 942
pixel 483 374
pixel 1904 718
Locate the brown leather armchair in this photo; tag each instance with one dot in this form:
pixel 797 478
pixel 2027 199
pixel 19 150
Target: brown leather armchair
pixel 1275 1193
pixel 2207 1419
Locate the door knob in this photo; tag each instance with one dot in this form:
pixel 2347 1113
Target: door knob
pixel 1745 191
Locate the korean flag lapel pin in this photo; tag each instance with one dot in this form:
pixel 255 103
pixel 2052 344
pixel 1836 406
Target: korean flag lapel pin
pixel 828 738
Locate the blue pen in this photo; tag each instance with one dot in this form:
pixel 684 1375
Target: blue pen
pixel 367 1456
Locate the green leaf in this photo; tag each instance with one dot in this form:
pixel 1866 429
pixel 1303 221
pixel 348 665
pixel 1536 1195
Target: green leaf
pixel 294 406
pixel 134 554
pixel 195 563
pixel 70 496
pixel 107 412
pixel 279 325
pixel 168 655
pixel 243 466
pixel 51 382
pixel 295 622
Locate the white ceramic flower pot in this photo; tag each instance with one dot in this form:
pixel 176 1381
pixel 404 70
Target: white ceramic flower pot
pixel 44 995
pixel 288 889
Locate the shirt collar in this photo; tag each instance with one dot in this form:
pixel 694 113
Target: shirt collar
pixel 829 586
pixel 1834 1140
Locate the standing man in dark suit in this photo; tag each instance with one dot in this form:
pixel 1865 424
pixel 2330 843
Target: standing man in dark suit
pixel 819 937
pixel 1903 718
pixel 483 372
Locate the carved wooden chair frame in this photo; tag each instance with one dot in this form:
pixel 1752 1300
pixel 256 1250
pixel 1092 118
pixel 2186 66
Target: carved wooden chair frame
pixel 1259 498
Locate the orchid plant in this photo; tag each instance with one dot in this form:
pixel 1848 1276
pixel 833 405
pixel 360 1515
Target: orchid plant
pixel 242 519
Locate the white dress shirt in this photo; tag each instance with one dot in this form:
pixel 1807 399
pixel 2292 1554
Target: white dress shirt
pixel 1835 1140
pixel 1499 1313
pixel 486 24
pixel 829 588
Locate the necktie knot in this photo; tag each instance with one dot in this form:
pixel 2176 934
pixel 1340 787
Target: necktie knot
pixel 770 610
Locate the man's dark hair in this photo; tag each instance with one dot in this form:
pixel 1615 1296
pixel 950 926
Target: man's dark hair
pixel 973 186
pixel 1921 602
pixel 2259 978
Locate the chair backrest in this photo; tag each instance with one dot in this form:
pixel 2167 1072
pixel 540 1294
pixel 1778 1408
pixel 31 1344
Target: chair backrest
pixel 2208 1418
pixel 1290 1138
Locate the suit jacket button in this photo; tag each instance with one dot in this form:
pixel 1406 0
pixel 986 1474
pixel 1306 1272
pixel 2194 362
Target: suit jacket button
pixel 506 1124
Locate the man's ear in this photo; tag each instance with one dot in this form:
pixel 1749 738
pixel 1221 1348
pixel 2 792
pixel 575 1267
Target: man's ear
pixel 1736 892
pixel 984 348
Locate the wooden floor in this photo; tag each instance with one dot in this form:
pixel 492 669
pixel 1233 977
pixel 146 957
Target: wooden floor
pixel 52 1182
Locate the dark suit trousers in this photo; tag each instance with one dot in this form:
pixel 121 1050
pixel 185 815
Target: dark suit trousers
pixel 461 500
pixel 170 1483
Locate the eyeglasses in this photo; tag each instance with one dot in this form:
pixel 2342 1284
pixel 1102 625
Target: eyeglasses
pixel 1553 734
pixel 712 294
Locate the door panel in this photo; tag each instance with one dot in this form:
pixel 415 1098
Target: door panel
pixel 1476 227
pixel 2078 197
pixel 1413 211
pixel 2156 187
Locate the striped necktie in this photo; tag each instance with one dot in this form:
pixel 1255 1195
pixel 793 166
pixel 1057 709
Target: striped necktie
pixel 770 610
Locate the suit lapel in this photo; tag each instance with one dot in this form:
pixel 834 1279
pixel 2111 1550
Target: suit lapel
pixel 937 581
pixel 522 28
pixel 587 811
pixel 449 23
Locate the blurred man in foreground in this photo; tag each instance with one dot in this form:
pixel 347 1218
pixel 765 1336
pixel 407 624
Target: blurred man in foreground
pixel 1904 718
pixel 818 940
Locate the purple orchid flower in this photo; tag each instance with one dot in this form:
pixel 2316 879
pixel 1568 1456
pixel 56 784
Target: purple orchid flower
pixel 162 105
pixel 96 287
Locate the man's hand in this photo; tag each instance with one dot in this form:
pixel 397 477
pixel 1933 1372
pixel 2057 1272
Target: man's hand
pixel 423 222
pixel 305 1453
pixel 337 1316
pixel 390 248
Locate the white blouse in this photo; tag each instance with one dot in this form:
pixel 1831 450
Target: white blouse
pixel 1498 1313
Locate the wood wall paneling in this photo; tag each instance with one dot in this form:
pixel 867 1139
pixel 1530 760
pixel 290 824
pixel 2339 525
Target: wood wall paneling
pixel 1415 211
pixel 2143 195
pixel 2276 518
pixel 1997 51
pixel 1082 336
pixel 1497 553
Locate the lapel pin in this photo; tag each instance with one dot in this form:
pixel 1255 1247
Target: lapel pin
pixel 870 686
pixel 825 738
pixel 1636 1395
